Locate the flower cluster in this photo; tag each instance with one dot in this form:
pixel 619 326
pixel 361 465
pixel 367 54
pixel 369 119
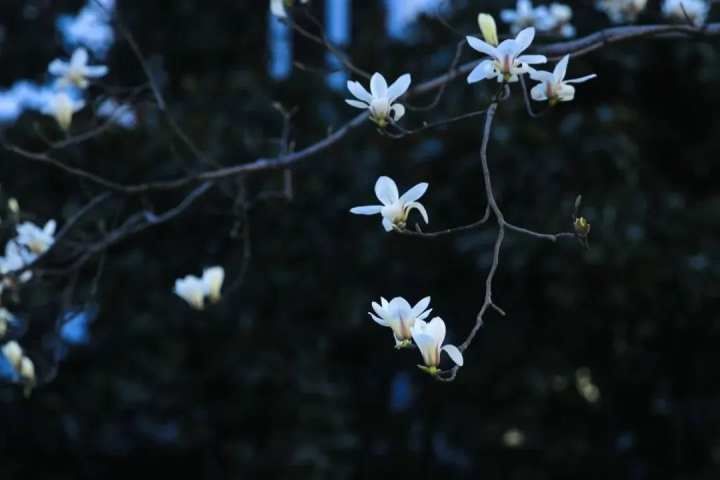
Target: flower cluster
pixel 408 325
pixel 194 289
pixel 30 242
pixel 554 18
pixel 621 11
pixel 694 11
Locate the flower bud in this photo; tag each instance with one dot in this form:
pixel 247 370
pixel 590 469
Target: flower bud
pixel 582 226
pixel 488 28
pixel 5 317
pixel 13 205
pixel 14 354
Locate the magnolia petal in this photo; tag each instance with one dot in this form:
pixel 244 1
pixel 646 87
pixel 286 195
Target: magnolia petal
pixel 483 71
pixel 398 111
pixel 421 306
pixel 424 315
pixel 378 309
pixel 427 346
pixel 366 210
pixel 378 86
pixel 414 193
pixel 480 46
pixel 399 87
pixel 524 39
pixel 96 71
pixel 357 104
pixel 378 320
pixel 532 59
pixel 419 207
pixel 539 92
pixel 436 329
pixel 386 190
pixel 565 92
pixel 57 67
pixel 359 91
pixel 455 354
pixel 561 69
pixel 387 225
pixel 79 57
pixel 541 75
pixel 581 79
pixel 49 228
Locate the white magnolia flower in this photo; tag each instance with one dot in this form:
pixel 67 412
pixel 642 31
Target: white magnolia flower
pixel 213 278
pixel 553 87
pixel 621 11
pixel 695 11
pixel 506 61
pixel 14 354
pixel 394 208
pixel 429 339
pixel 191 289
pixel 277 7
pixel 37 240
pixel 554 18
pixel 16 258
pixel 62 106
pixel 76 72
pixel 400 317
pixel 381 98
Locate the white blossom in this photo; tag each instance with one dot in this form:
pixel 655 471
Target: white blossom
pixel 278 7
pixel 37 240
pixel 400 317
pixel 553 87
pixel 695 11
pixel 212 279
pixel 621 11
pixel 394 208
pixel 522 17
pixel 191 289
pixel 429 338
pixel 506 61
pixel 14 354
pixel 62 106
pixel 5 318
pixel 16 258
pixel 76 72
pixel 380 100
pixel 554 18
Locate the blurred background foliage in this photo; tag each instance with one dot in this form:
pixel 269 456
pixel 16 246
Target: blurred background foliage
pixel 606 365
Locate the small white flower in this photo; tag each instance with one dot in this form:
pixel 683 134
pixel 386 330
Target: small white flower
pixel 76 72
pixel 429 338
pixel 394 208
pixel 62 106
pixel 400 317
pixel 695 11
pixel 553 87
pixel 381 98
pixel 15 259
pixel 213 278
pixel 506 61
pixel 191 289
pixel 37 240
pixel 277 7
pixel 621 11
pixel 14 354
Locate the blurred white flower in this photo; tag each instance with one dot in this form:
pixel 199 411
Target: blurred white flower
pixel 400 317
pixel 695 11
pixel 213 278
pixel 394 208
pixel 37 240
pixel 380 99
pixel 62 106
pixel 191 289
pixel 16 258
pixel 121 114
pixel 14 354
pixel 5 318
pixel 621 11
pixel 506 61
pixel 27 371
pixel 277 7
pixel 91 27
pixel 429 338
pixel 553 87
pixel 522 17
pixel 76 72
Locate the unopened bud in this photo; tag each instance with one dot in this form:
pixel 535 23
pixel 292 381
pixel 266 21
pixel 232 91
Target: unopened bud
pixel 13 206
pixel 582 226
pixel 488 28
pixel 27 370
pixel 14 354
